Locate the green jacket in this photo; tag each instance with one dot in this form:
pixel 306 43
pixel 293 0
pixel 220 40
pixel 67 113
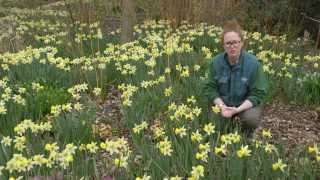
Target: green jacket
pixel 234 84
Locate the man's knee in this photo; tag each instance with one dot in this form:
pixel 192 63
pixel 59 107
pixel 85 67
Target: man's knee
pixel 251 117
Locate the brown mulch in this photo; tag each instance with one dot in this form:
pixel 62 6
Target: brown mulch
pixel 292 125
pixel 110 119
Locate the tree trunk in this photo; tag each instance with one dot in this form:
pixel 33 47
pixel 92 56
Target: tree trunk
pixel 318 39
pixel 127 20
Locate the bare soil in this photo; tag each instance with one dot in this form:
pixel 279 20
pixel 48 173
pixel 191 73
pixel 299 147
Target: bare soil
pixel 292 125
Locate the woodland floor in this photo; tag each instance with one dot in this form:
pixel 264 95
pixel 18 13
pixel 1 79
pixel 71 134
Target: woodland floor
pixel 291 125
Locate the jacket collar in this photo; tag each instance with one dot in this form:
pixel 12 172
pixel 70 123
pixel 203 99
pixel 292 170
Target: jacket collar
pixel 236 66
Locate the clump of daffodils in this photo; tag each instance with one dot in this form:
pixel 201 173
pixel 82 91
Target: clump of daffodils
pixel 230 138
pixel 119 148
pixel 151 83
pixel 26 124
pixel 127 92
pixel 183 111
pixel 139 127
pixel 19 163
pixel 202 154
pixel 76 90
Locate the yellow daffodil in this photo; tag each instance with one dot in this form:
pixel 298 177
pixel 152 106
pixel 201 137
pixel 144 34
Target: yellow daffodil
pixel 180 131
pixel 158 132
pixel 97 91
pixel 165 147
pixel 215 109
pixel 18 163
pixel 313 149
pixel 197 171
pixel 269 148
pixel 203 156
pixel 243 151
pixel 144 177
pixel 279 165
pixel 168 91
pixel 221 150
pixel 92 147
pixel 6 141
pixel 266 133
pixel 139 127
pixel 191 100
pixel 209 128
pixel 196 136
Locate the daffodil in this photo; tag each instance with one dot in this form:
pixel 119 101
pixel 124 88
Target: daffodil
pixel 144 177
pixel 18 163
pixel 191 100
pixel 266 133
pixel 39 160
pixel 168 91
pixel 173 178
pixel 77 106
pixel 244 151
pixel 122 161
pixel 196 136
pixel 6 141
pixel 3 109
pixel 204 147
pixel 279 165
pixel 92 147
pixel 209 128
pixel 165 147
pixel 139 127
pixel 158 132
pixel 96 91
pixel 313 149
pixel 269 148
pixel 181 132
pixel 20 143
pixel 222 150
pixel 197 171
pixel 215 109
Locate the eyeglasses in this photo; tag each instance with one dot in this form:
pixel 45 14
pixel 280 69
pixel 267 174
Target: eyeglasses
pixel 230 43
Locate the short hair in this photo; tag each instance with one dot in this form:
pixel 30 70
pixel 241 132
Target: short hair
pixel 231 26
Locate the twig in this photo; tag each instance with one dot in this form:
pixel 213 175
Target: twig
pixel 311 18
pixel 315 20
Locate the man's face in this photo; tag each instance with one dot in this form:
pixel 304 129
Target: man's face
pixel 232 44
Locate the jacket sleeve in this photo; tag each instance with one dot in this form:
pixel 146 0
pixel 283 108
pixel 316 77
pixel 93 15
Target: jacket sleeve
pixel 258 86
pixel 211 88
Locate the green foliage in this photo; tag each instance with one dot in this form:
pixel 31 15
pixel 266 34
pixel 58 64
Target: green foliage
pixel 75 127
